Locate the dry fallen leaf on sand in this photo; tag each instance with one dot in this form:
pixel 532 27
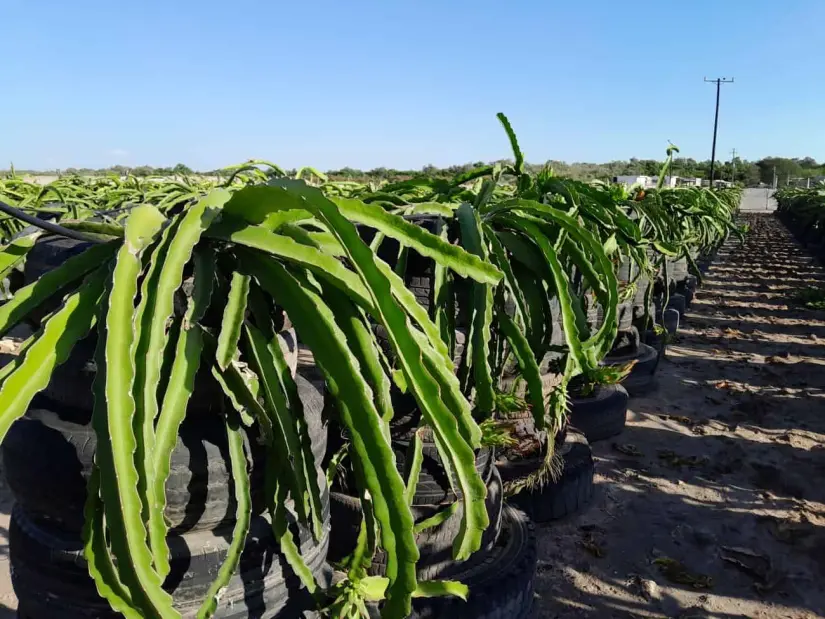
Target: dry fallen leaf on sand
pixel 758 565
pixel 591 545
pixel 628 449
pixel 676 572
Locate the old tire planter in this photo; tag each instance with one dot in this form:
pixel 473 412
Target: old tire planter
pixel 386 347
pixel 518 386
pixel 641 379
pixel 70 385
pixel 568 494
pixel 501 586
pixel 677 270
pixel 624 316
pixel 434 544
pixel 49 252
pixel 627 342
pixel 50 576
pixel 433 492
pixel 678 303
pixel 669 319
pixel 601 415
pixel 49 481
pixel 406 415
pixel 687 288
pixel 48 456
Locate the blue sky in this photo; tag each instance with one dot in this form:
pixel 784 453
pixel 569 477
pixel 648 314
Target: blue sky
pixel 383 83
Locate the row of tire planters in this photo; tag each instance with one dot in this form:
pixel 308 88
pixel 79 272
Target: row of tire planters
pixel 629 348
pixel 566 485
pixel 48 456
pixel 808 226
pixel 548 501
pixel 808 232
pixel 644 311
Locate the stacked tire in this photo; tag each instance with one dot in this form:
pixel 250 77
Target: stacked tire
pixel 601 414
pixel 629 347
pixel 645 359
pixel 508 545
pixel 48 456
pixel 567 488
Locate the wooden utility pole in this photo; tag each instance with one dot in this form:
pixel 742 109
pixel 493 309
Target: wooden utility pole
pixel 718 81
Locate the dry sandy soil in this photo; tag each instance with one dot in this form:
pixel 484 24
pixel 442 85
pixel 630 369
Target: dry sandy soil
pixel 721 511
pixel 712 501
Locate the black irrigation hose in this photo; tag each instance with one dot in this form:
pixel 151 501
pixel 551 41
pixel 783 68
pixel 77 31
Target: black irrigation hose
pixel 47 225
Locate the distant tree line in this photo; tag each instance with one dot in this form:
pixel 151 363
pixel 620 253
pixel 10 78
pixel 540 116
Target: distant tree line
pixel 739 170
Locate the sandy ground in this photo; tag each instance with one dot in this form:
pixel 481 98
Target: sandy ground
pixel 712 502
pixel 721 512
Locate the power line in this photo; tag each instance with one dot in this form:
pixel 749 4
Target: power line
pixel 718 81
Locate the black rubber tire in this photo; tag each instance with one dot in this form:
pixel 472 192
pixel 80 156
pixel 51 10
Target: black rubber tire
pixel 419 273
pixel 48 456
pixel 642 378
pixel 641 292
pixel 687 292
pixel 51 580
pixel 677 270
pixel 640 384
pixel 656 341
pixel 624 314
pixel 458 352
pixel 71 384
pixel 422 287
pixel 435 544
pixel 571 492
pixel 670 320
pixel 434 486
pixel 626 343
pixel 646 358
pixel 49 252
pixel 625 270
pixel 501 586
pixel 602 415
pixel 518 386
pixel 521 426
pixel 677 302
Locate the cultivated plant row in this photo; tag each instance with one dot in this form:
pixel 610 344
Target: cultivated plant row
pixel 431 312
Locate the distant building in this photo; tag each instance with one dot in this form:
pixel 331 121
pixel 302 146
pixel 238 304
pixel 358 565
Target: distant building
pixel 649 182
pixel 630 181
pixel 717 183
pixel 670 181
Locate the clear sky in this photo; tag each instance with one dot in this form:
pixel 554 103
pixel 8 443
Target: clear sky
pixel 403 84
